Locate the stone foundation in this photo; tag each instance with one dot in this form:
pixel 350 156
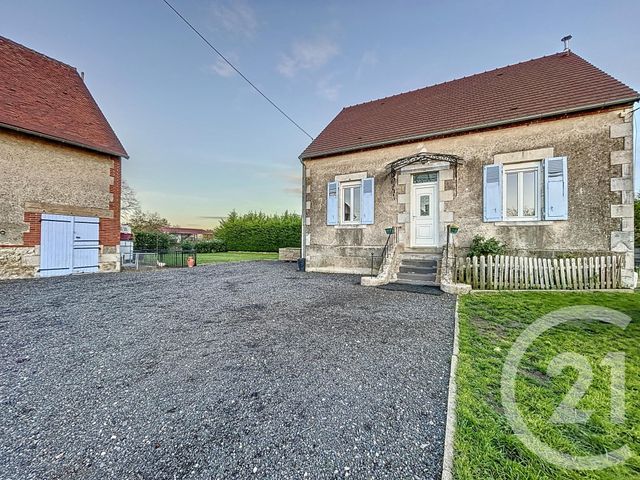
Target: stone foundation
pixel 19 262
pixel 24 262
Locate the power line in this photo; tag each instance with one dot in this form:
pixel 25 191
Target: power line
pixel 237 71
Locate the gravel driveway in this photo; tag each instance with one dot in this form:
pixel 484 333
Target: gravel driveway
pixel 250 370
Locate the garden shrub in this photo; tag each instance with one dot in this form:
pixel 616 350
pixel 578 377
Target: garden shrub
pixel 211 246
pixel 486 246
pixel 151 241
pixel 259 232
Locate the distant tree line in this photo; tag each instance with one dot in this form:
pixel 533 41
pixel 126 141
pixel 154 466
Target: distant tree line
pixel 250 232
pixel 259 232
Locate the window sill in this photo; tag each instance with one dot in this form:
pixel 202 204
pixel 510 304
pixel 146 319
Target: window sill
pixel 348 226
pixel 524 223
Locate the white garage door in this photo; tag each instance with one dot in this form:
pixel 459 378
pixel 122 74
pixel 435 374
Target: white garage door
pixel 68 245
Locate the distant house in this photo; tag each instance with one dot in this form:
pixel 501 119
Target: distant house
pixel 537 154
pixel 181 234
pixel 60 170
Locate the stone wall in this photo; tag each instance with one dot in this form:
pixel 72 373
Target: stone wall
pixel 42 176
pixel 598 148
pixel 19 262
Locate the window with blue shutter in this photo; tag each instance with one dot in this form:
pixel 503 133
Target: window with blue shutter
pixel 492 193
pixel 367 207
pixel 556 205
pixel 332 203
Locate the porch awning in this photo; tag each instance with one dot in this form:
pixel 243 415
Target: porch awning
pixel 423 157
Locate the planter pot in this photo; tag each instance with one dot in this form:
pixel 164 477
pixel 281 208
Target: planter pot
pixel 453 229
pixel 191 262
pixel 389 230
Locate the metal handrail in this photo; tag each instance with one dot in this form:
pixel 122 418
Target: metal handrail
pixel 385 251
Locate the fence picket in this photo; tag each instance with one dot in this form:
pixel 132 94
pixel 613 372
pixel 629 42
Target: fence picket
pixel 474 272
pixel 539 274
pixel 483 273
pixel 489 272
pixel 580 285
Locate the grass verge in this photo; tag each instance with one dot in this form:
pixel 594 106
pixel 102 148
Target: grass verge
pixel 485 446
pixel 206 258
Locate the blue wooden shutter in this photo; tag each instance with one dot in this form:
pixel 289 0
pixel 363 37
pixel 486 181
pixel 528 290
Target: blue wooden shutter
pixel 367 201
pixel 332 203
pixel 556 206
pixel 492 193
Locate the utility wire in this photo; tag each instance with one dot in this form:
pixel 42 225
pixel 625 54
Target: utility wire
pixel 237 71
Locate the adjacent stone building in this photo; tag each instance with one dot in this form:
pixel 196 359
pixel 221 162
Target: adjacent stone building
pixel 538 155
pixel 59 170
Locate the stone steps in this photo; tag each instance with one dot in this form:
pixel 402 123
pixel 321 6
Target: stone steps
pixel 419 266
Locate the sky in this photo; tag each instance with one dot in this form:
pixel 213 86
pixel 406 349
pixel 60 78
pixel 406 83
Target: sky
pixel 202 142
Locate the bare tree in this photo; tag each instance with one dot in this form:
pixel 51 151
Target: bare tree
pixel 147 221
pixel 129 203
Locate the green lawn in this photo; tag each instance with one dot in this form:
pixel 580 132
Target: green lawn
pixel 485 446
pixel 206 258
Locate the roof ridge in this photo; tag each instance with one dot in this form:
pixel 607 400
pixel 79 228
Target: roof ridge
pixel 38 53
pixel 460 78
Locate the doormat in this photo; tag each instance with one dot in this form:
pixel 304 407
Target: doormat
pixel 401 287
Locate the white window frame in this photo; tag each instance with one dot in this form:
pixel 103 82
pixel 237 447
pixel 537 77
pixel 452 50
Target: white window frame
pixel 517 168
pixel 344 186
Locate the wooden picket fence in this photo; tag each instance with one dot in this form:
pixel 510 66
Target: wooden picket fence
pixel 505 272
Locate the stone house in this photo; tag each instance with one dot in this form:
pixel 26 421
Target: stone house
pixel 60 170
pixel 537 154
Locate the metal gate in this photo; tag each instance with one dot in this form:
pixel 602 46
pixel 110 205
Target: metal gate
pixel 68 245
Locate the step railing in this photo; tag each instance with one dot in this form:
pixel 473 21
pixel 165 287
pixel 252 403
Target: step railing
pixel 385 252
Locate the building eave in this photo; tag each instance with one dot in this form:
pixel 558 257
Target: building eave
pixel 416 138
pixel 122 154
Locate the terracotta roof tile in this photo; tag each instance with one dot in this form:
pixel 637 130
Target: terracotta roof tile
pixel 537 88
pixel 44 96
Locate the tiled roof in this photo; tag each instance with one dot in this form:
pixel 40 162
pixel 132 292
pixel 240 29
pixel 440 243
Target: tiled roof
pixel 186 231
pixel 43 96
pixel 538 88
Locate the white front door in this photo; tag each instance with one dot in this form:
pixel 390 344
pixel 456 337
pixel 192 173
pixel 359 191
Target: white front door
pixel 423 216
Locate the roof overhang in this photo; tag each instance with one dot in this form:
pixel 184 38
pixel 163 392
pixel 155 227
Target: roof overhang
pixel 416 138
pixel 122 154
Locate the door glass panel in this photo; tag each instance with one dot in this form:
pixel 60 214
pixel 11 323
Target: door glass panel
pixel 512 194
pixel 529 187
pixel 424 205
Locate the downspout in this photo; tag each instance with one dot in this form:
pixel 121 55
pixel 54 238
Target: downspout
pixel 303 211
